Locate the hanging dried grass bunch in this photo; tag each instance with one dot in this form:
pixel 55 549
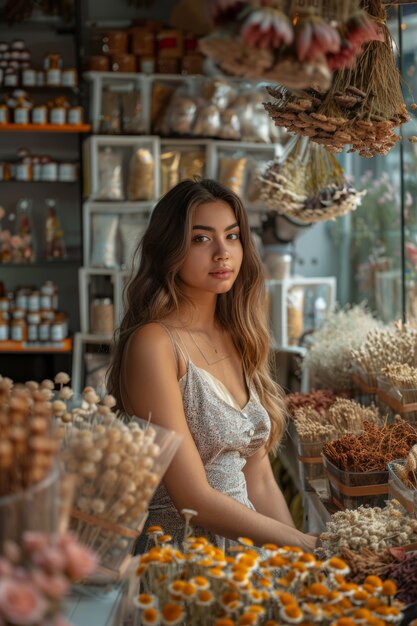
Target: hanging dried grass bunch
pixel 307 184
pixel 361 109
pixel 384 346
pixel 28 445
pixel 329 359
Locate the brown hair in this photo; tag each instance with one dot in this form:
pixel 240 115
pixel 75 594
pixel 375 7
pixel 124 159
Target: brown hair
pixel 154 292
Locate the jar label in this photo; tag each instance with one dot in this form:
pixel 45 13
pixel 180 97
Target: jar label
pixel 17 333
pixel 21 115
pixel 32 332
pixel 23 171
pixel 67 172
pixel 58 115
pixel 58 332
pixel 50 171
pixel 39 115
pixel 53 77
pixel 75 116
pixel 29 78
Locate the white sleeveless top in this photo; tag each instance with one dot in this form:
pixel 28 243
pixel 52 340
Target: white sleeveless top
pixel 225 436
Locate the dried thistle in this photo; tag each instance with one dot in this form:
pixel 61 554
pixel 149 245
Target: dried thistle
pixel 329 359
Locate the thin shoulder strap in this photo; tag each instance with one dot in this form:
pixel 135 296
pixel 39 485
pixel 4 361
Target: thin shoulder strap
pixel 178 347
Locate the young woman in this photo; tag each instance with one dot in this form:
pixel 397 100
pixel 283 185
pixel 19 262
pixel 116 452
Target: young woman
pixel 193 351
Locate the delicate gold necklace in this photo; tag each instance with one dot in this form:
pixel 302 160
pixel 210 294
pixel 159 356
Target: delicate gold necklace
pixel 215 350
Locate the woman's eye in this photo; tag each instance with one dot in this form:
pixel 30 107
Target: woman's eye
pixel 200 238
pixel 234 236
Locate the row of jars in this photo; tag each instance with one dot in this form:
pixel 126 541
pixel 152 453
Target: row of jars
pixel 57 114
pixel 16 68
pixel 32 315
pixel 33 326
pixel 15 76
pixel 28 299
pixel 39 169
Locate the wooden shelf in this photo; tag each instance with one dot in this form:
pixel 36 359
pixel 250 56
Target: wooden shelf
pixel 46 128
pixel 23 347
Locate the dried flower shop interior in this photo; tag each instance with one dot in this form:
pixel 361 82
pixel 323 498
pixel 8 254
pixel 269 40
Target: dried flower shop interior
pixel 105 106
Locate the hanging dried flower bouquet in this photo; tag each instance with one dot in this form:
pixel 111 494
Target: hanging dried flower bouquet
pixel 307 184
pixel 292 42
pixel 362 107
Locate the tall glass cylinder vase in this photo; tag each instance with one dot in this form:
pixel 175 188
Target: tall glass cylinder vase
pixel 35 509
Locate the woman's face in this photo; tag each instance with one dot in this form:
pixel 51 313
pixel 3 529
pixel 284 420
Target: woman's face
pixel 215 255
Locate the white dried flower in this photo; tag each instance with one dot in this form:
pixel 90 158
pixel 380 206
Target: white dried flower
pixel 47 384
pixel 59 407
pixel 65 393
pixel 62 378
pixel 109 401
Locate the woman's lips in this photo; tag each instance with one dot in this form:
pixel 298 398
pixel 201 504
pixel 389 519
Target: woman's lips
pixel 221 274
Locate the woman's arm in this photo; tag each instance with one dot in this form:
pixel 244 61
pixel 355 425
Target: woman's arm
pixel 263 490
pixel 152 386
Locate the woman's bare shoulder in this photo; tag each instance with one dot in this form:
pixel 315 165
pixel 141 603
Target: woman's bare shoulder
pixel 150 339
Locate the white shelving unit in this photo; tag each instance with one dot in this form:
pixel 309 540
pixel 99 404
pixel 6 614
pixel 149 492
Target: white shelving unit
pixel 214 150
pixel 279 291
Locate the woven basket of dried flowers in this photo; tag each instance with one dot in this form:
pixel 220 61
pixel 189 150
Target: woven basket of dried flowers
pixel 313 428
pixel 356 464
pixel 397 389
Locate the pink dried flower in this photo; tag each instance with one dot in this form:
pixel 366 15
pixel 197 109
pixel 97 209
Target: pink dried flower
pixel 34 541
pixel 80 561
pixel 61 621
pixel 12 551
pixel 54 586
pixel 51 558
pixel 21 603
pixel 5 567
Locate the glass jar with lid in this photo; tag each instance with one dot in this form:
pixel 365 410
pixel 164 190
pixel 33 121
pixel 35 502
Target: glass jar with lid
pixel 102 316
pixel 18 326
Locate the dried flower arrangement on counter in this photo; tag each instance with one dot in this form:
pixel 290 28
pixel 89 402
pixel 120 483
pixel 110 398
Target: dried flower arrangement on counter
pixel 402 379
pixel 373 449
pixel 342 417
pixel 307 184
pixel 329 359
pixel 118 463
pixel 290 42
pixel 204 586
pixel 375 528
pixel 318 399
pixel 385 346
pixel 28 447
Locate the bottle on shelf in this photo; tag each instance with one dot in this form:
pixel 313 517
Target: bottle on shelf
pixel 54 235
pixel 23 243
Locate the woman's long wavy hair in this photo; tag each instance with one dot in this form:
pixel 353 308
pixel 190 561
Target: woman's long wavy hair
pixel 155 291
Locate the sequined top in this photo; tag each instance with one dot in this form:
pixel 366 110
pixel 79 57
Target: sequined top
pixel 225 436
